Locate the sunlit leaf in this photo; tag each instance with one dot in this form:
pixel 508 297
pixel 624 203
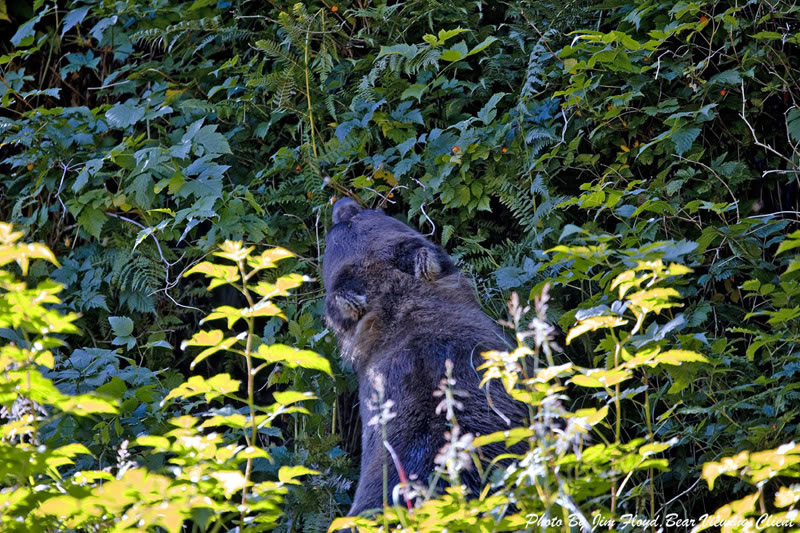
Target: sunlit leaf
pixel 600 378
pixel 214 387
pixel 287 474
pixel 292 357
pixel 219 274
pixel 594 323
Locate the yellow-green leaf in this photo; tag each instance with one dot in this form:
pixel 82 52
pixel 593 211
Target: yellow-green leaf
pixel 594 323
pixel 219 274
pixel 678 357
pixel 215 340
pixel 281 287
pixel 234 251
pixel 219 385
pixel 287 474
pixel 510 435
pixel 600 378
pixel 154 441
pixel 292 357
pixel 290 396
pixel 590 415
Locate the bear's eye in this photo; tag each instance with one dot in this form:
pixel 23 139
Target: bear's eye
pixel 351 304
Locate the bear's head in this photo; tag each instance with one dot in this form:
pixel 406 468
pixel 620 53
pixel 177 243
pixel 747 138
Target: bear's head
pixel 378 272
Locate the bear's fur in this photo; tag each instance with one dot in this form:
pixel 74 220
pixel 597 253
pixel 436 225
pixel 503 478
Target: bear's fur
pixel 400 308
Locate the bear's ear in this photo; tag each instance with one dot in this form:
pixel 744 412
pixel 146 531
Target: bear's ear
pixel 344 210
pixel 426 264
pixel 351 304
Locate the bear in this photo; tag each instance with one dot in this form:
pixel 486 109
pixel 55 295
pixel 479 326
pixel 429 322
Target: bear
pixel 400 309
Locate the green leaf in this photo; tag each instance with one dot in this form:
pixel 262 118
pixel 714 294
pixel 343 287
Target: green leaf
pixel 727 77
pixel 459 51
pixel 482 46
pixel 683 139
pixel 211 141
pixel 92 220
pixel 444 35
pixel 786 245
pixel 122 326
pixel 24 34
pixel 124 115
pixel 73 18
pixel 414 91
pixel 678 357
pixel 487 113
pixel 405 50
pixel 154 441
pixel 768 36
pixel 596 378
pixel 793 124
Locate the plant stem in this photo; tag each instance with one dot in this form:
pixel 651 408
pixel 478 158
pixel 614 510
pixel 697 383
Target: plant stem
pixel 308 99
pixel 251 440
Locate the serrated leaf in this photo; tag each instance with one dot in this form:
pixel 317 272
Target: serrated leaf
pixel 678 357
pixel 292 357
pixel 793 124
pixel 215 340
pixel 683 139
pixel 281 287
pixel 124 115
pixel 290 396
pixel 515 435
pixel 92 220
pixel 727 77
pixel 211 141
pixel 73 18
pixel 487 113
pixel 219 274
pixel 406 50
pixel 444 35
pixel 287 474
pixel 767 36
pixel 594 323
pixel 26 31
pixel 122 326
pixel 458 51
pixel 219 385
pixel 596 378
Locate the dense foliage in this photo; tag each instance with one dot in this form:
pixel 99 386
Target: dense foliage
pixel 637 161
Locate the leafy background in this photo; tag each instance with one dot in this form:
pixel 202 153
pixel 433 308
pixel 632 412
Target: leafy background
pixel 537 142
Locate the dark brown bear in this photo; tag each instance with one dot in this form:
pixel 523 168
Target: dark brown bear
pixel 400 308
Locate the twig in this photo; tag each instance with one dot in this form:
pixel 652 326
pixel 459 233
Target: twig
pixel 65 167
pixel 755 138
pixel 678 496
pixel 141 226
